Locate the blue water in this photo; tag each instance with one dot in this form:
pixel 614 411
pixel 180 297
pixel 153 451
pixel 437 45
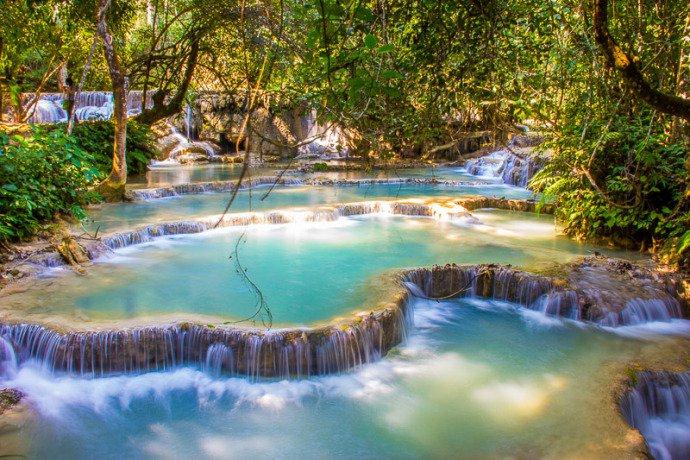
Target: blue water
pixel 476 379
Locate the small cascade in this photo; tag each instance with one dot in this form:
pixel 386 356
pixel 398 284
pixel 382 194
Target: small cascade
pixel 94 106
pixel 219 359
pixel 565 304
pixel 486 166
pixel 206 187
pixel 658 405
pixel 89 106
pixel 518 171
pixel 189 122
pixel 639 311
pixel 180 149
pixel 329 141
pixel 538 293
pixel 224 186
pixel 297 216
pixel 8 359
pixel 512 169
pixel 48 110
pixel 235 351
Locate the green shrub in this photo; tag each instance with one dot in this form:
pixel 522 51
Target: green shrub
pixel 42 175
pixel 97 138
pixel 321 167
pixel 620 178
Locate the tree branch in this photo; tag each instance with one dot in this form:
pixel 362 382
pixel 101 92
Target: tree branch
pixel 627 67
pixel 158 112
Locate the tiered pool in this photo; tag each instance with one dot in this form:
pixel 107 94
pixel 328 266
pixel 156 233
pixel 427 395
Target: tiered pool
pixel 474 377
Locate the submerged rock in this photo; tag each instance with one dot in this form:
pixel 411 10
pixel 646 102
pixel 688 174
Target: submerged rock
pixel 9 398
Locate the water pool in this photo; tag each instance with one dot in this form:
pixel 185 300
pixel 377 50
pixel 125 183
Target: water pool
pixel 306 272
pixel 475 379
pixel 111 217
pixel 181 174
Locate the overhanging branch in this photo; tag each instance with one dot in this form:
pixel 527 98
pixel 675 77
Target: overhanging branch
pixel 627 67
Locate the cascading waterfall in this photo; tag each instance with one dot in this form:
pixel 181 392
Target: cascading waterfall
pixel 534 292
pixel 224 186
pixel 178 146
pixel 658 405
pixel 511 168
pixel 284 353
pixel 518 171
pixel 639 311
pixel 89 105
pixel 486 166
pixel 48 110
pixel 328 140
pixel 290 352
pixel 329 214
pixel 8 359
pixel 189 122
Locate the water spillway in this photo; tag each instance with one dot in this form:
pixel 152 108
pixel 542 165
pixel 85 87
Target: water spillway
pixel 222 349
pixel 550 296
pixel 343 344
pixel 658 405
pixel 512 166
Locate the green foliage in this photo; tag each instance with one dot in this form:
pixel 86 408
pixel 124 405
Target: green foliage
pixel 97 139
pixel 320 167
pixel 42 175
pixel 623 179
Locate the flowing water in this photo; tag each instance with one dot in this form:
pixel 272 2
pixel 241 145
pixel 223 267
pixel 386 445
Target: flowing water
pixel 306 271
pixel 180 174
pixel 659 406
pixel 469 382
pixel 112 217
pixel 475 377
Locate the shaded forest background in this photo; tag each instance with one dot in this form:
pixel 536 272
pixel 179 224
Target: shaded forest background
pixel 606 83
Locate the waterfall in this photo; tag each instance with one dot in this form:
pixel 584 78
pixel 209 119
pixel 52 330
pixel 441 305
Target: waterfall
pixel 48 111
pixel 538 293
pixel 8 359
pixel 294 216
pixel 177 146
pixel 284 353
pixel 224 186
pixel 504 164
pixel 486 166
pixel 658 406
pixel 639 311
pixel 89 106
pixel 188 121
pixel 329 141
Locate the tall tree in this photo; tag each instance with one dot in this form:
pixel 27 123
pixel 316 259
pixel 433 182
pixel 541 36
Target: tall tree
pixel 113 187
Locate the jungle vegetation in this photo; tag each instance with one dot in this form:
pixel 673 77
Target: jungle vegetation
pixel 606 82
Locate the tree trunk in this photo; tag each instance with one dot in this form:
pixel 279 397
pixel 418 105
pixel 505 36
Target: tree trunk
pixel 628 68
pixel 160 111
pixel 114 186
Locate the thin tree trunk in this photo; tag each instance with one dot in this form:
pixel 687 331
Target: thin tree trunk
pixel 113 187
